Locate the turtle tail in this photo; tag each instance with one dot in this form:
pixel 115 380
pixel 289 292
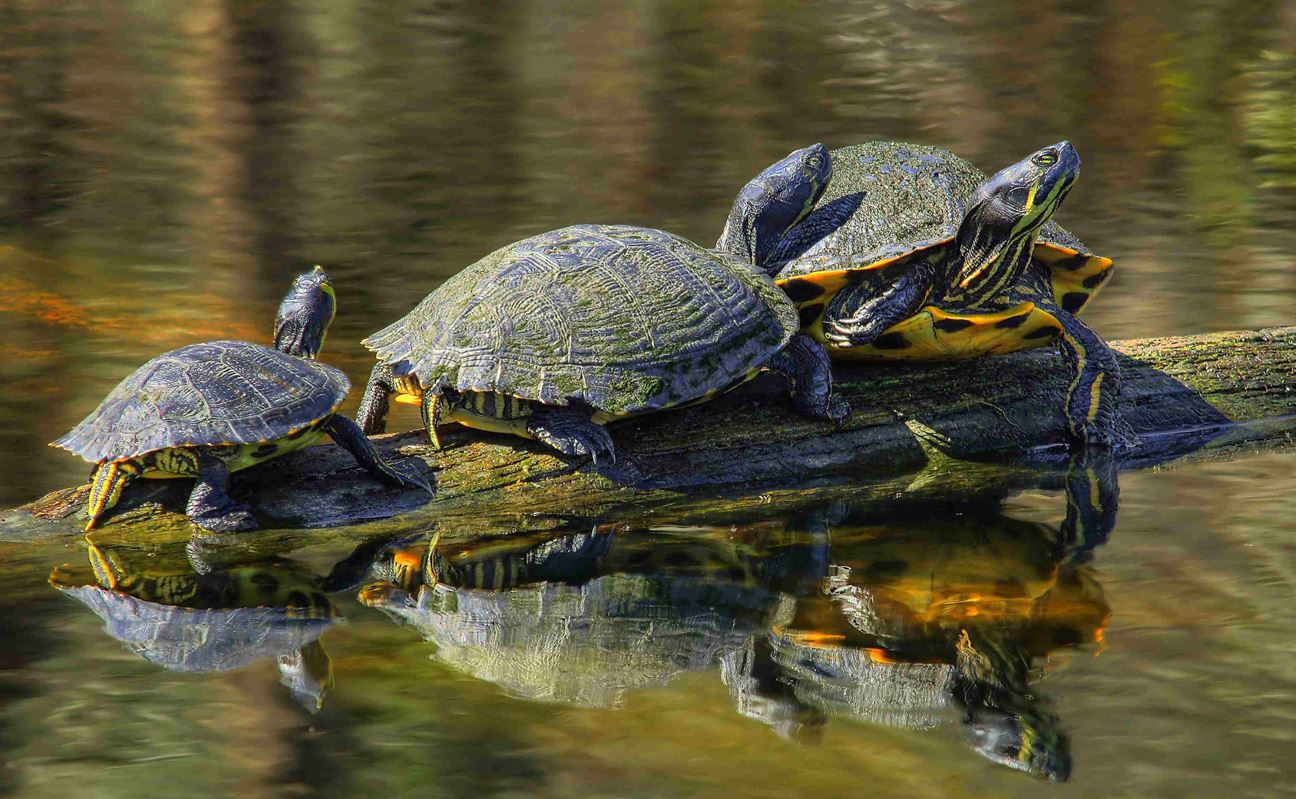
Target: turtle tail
pixel 106 487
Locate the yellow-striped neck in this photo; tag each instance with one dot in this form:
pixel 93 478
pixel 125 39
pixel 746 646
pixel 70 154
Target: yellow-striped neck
pixel 982 277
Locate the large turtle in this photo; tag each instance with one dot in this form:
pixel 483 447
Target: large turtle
pixel 553 336
pixel 585 617
pixel 205 410
pixel 913 253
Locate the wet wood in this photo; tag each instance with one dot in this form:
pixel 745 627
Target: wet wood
pixel 1219 393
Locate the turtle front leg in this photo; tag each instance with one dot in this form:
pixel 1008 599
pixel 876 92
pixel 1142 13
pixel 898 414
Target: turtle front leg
pixel 1095 385
pixel 857 317
pixel 571 432
pixel 806 365
pixel 210 506
pixel 377 400
pixel 350 437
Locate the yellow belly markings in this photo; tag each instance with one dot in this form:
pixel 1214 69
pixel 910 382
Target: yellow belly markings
pixel 494 413
pixel 180 461
pixel 936 335
pixel 502 413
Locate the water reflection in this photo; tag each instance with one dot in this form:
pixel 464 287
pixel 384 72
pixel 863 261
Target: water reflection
pixel 161 178
pixel 891 619
pixel 173 609
pixel 585 617
pixel 916 616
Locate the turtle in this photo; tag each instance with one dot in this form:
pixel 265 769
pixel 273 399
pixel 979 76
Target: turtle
pixel 913 253
pixel 195 617
pixel 551 337
pixel 921 611
pixel 219 621
pixel 208 409
pixel 581 618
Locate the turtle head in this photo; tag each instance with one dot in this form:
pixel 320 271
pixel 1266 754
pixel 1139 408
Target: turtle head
pixel 773 202
pixel 1006 721
pixel 305 314
pixel 1006 212
pixel 1033 745
pixel 308 673
pixel 408 568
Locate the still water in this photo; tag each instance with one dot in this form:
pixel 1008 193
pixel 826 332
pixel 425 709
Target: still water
pixel 165 169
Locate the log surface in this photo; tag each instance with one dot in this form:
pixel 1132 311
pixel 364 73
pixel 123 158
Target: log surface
pixel 1214 393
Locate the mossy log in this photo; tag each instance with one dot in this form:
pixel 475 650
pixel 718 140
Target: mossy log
pixel 1212 394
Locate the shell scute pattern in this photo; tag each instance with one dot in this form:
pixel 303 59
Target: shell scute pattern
pixel 624 319
pixel 915 196
pixel 219 392
pixel 202 639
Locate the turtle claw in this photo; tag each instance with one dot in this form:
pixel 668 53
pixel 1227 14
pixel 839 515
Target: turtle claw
pixel 831 409
pixel 406 474
pixel 230 519
pixel 857 331
pixel 572 434
pixel 850 331
pixel 580 444
pixel 838 410
pixel 600 442
pixel 1100 440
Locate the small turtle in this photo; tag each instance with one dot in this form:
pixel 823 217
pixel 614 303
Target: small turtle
pixel 915 254
pixel 553 336
pixel 205 410
pixel 217 621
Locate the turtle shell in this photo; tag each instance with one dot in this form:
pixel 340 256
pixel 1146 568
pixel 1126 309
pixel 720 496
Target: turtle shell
pixel 217 392
pixel 914 198
pixel 587 644
pixel 624 319
pixel 202 639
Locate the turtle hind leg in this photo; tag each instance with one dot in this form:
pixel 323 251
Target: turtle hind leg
pixel 377 400
pixel 571 432
pixel 106 486
pixel 1094 390
pixel 350 437
pixel 210 506
pixel 807 367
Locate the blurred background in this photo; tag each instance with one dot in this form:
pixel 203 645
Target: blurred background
pixel 166 168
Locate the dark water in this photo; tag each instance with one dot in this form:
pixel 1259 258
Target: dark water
pixel 166 168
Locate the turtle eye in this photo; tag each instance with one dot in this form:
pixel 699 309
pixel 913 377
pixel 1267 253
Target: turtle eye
pixel 814 161
pixel 1046 158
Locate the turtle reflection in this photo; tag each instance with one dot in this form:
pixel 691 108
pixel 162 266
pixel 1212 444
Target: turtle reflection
pixel 899 619
pixel 191 619
pixel 586 617
pixel 916 616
